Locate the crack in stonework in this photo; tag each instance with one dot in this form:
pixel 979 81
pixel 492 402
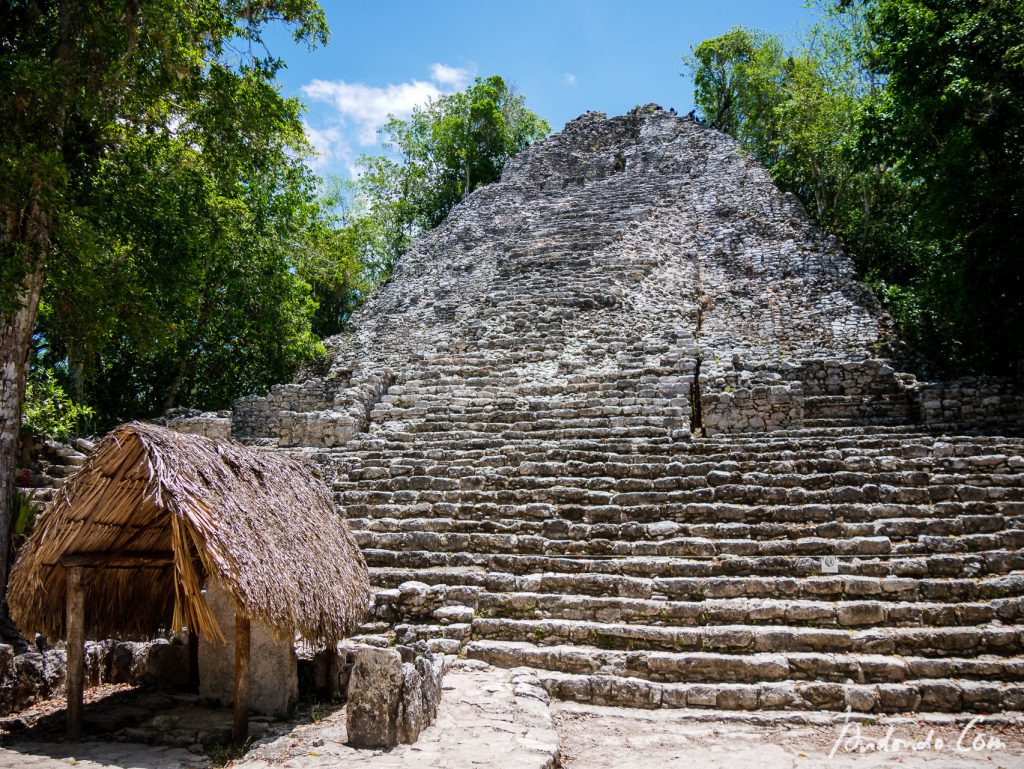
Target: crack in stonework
pixel 696 407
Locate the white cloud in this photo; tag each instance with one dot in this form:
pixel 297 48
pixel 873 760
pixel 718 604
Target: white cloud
pixel 455 77
pixel 366 108
pixel 360 110
pixel 331 149
pixel 570 79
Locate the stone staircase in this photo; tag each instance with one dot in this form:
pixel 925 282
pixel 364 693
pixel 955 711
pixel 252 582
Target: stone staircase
pixel 51 463
pixel 647 573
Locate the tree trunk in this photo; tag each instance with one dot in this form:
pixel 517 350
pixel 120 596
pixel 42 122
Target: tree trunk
pixel 172 395
pixel 29 228
pixel 15 344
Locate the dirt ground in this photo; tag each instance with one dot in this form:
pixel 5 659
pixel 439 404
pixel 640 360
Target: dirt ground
pixel 614 738
pixel 486 719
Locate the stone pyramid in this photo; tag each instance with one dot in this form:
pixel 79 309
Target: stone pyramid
pixel 629 419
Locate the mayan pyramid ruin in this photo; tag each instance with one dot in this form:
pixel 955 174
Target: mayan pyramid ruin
pixel 612 420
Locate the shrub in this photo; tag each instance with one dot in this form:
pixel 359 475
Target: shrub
pixel 49 411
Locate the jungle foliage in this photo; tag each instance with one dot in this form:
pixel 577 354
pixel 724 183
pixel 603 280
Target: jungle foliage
pixel 443 152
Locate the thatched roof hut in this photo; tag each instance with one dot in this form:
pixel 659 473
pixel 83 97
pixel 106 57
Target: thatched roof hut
pixel 154 513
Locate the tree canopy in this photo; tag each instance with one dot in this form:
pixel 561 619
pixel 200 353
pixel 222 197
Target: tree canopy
pixel 445 150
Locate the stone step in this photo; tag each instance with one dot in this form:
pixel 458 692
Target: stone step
pixel 41 481
pixel 799 471
pixel 423 433
pixel 898 595
pixel 966 566
pixel 586 456
pixel 667 520
pixel 1006 540
pixel 895 436
pixel 39 495
pixel 936 487
pixel 691 453
pixel 936 695
pixel 894 529
pixel 756 668
pixel 446 490
pixel 955 455
pixel 926 642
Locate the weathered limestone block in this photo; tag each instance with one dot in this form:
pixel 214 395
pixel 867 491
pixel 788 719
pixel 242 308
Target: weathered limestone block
pixel 391 701
pixel 412 710
pixel 274 667
pixel 374 698
pixel 212 424
pixel 431 672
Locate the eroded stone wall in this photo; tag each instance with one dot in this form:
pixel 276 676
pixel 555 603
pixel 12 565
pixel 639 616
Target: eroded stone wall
pixel 979 401
pixel 273 665
pixel 28 678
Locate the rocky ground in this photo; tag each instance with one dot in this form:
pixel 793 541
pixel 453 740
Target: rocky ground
pixel 488 717
pixel 595 737
pixel 496 718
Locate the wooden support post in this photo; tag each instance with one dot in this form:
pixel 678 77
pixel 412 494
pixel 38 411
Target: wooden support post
pixel 74 625
pixel 193 659
pixel 333 673
pixel 242 678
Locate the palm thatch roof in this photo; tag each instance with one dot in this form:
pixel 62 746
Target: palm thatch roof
pixel 162 512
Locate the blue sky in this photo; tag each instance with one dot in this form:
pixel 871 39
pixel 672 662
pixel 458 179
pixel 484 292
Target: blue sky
pixel 565 56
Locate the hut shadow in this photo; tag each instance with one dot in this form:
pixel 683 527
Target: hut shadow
pixel 151 729
pixel 109 755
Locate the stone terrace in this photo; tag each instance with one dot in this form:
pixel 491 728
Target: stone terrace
pixel 608 419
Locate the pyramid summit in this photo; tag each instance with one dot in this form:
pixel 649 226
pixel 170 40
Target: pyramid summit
pixel 628 419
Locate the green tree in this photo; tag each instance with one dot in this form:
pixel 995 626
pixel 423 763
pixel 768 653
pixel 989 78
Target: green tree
pixel 795 111
pixel 342 261
pixel 445 150
pixel 182 285
pixel 49 411
pixel 737 81
pixel 73 76
pixel 950 123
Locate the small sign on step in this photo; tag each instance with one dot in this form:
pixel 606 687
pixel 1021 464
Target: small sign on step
pixel 830 564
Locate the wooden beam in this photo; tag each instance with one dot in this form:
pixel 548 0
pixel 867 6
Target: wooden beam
pixel 118 560
pixel 75 627
pixel 242 678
